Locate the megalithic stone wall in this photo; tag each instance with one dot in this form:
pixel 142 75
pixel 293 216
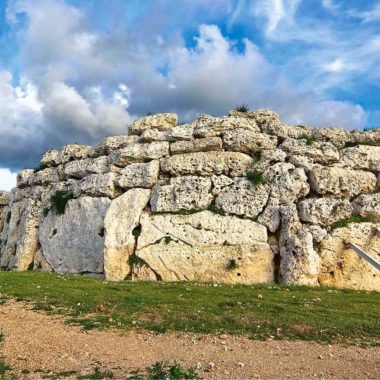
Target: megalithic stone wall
pixel 242 198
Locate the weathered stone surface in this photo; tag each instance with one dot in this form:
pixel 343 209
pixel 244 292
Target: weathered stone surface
pixel 160 121
pixel 342 182
pixel 40 262
pixel 220 182
pixel 322 152
pixel 179 133
pixel 51 158
pixel 19 239
pixel 122 218
pixel 140 153
pixel 299 261
pixel 43 177
pixel 287 183
pixel 324 211
pixel 24 177
pixel 83 168
pixel 207 163
pixel 362 157
pixel 73 242
pixel 4 198
pixel 198 145
pixel 271 217
pixel 372 136
pixel 337 136
pixel 264 117
pixel 109 144
pixel 341 267
pixel 368 205
pixel 74 152
pixel 205 247
pixel 267 158
pixel 139 175
pixel 284 130
pixel 188 193
pixel 97 185
pixel 210 126
pixel 246 141
pixel 243 198
pixel 317 232
pixel 303 162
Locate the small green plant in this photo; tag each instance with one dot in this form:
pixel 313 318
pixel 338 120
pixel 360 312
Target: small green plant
pixel 2 336
pixel 366 129
pixel 242 108
pixel 136 232
pixel 345 222
pixel 309 139
pixel 59 201
pixel 170 371
pixel 215 209
pixel 3 367
pixel 351 144
pixel 184 211
pixel 135 260
pixel 30 266
pixel 9 216
pixel 256 177
pixel 97 375
pixel 168 239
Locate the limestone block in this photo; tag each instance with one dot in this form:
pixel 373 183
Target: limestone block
pixel 300 262
pixel 324 211
pixel 179 133
pixel 97 185
pixel 160 121
pixel 243 198
pixel 267 158
pixel 317 232
pixel 139 175
pixel 271 217
pixel 321 152
pixel 109 144
pixel 198 145
pixel 4 198
pixel 337 136
pixel 362 157
pixel 210 126
pixel 341 267
pixel 220 182
pixel 306 163
pixel 51 158
pixel 207 163
pixel 82 168
pixel 122 218
pixel 43 177
pixel 205 247
pixel 74 152
pixel 368 205
pixel 287 183
pixel 342 182
pixel 284 131
pixel 140 153
pixel 24 177
pixel 188 193
pixel 73 242
pixel 246 141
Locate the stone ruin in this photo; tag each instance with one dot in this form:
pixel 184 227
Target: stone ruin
pixel 242 198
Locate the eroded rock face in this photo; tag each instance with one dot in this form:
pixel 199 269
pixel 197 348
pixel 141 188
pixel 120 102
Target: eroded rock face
pixel 362 157
pixel 73 242
pixel 324 211
pixel 83 168
pixel 343 182
pixel 139 175
pixel 160 121
pixel 205 247
pixel 122 217
pixel 368 205
pixel 341 267
pixel 198 145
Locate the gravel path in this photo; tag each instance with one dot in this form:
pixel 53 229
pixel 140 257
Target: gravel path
pixel 35 341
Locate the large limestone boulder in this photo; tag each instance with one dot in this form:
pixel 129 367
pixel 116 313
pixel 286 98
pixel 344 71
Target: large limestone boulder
pixel 208 163
pixel 96 185
pixel 368 205
pixel 271 216
pixel 210 126
pixel 246 141
pixel 197 145
pixel 324 211
pixel 19 239
pixel 109 144
pixel 299 261
pixel 183 193
pixel 139 153
pixel 160 121
pixel 73 242
pixel 122 217
pixel 139 175
pixel 322 152
pixel 24 177
pixel 268 157
pixel 44 177
pixel 341 182
pixel 74 152
pixel 341 267
pixel 243 198
pixel 51 158
pixel 284 130
pixel 4 201
pixel 337 136
pixel 180 133
pixel 362 157
pixel 82 168
pixel 287 183
pixel 205 247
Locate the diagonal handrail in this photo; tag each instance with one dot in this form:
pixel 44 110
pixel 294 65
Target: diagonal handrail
pixel 364 255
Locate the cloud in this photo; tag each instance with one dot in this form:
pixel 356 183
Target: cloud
pixel 80 82
pixel 7 180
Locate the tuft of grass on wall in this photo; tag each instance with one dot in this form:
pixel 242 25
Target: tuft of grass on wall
pixel 256 177
pixel 309 139
pixel 59 201
pixel 345 222
pixel 242 108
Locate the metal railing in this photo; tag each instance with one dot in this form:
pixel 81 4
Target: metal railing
pixel 364 255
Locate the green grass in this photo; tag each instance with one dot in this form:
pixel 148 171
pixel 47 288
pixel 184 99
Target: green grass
pixel 351 144
pixel 242 108
pixel 59 201
pixel 345 222
pixel 3 368
pixel 259 312
pixel 167 371
pixel 309 139
pixel 256 178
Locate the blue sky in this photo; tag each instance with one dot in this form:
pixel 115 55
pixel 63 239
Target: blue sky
pixel 76 71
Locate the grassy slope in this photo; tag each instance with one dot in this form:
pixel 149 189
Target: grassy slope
pixel 256 311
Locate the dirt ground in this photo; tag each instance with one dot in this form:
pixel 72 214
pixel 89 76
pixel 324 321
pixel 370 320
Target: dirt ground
pixel 35 341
